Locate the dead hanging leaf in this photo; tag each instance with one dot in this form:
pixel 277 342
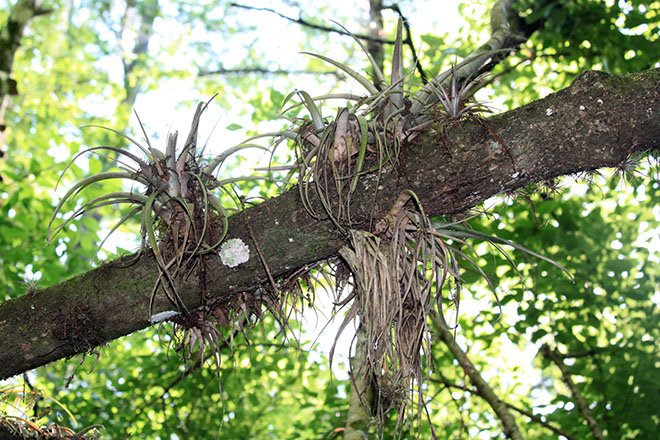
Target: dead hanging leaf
pixel 340 144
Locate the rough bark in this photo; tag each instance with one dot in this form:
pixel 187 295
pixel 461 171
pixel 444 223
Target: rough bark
pixel 599 121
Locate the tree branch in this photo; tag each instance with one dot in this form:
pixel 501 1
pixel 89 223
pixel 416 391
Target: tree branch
pixel 556 357
pixel 599 121
pixel 533 417
pixel 483 389
pixel 301 21
pixel 147 13
pixel 10 40
pixel 375 25
pixel 580 354
pixel 507 31
pixel 361 394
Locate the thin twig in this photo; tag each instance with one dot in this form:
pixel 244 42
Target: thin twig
pixel 407 41
pixel 266 71
pixel 580 354
pixel 309 24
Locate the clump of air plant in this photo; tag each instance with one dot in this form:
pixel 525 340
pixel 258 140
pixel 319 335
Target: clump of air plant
pixel 399 268
pixel 183 222
pixel 182 218
pixel 195 334
pixel 56 432
pixel 629 169
pixel 31 283
pixel 332 156
pixel 455 98
pixel 399 278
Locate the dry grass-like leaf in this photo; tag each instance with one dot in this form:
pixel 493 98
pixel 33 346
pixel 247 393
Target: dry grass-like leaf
pixel 398 280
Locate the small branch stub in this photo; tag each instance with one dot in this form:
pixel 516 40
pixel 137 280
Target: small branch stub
pixel 234 252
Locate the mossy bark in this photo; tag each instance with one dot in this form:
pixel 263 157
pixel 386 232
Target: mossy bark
pixel 599 121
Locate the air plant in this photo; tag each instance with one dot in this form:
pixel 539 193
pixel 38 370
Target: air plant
pixel 17 401
pixel 629 169
pixel 182 219
pixel 196 332
pixel 332 154
pixel 31 283
pixel 454 98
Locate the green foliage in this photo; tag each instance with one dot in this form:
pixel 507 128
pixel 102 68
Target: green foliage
pixel 139 389
pixel 578 35
pixel 608 318
pixel 70 73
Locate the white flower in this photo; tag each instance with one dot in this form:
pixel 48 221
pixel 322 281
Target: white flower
pixel 234 252
pixel 548 111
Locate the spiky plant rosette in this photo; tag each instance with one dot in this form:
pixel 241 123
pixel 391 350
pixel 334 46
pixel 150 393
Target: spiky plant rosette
pixel 179 201
pixel 182 217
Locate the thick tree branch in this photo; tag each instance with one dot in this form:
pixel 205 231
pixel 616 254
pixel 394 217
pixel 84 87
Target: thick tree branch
pixel 599 121
pixel 557 358
pixel 484 390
